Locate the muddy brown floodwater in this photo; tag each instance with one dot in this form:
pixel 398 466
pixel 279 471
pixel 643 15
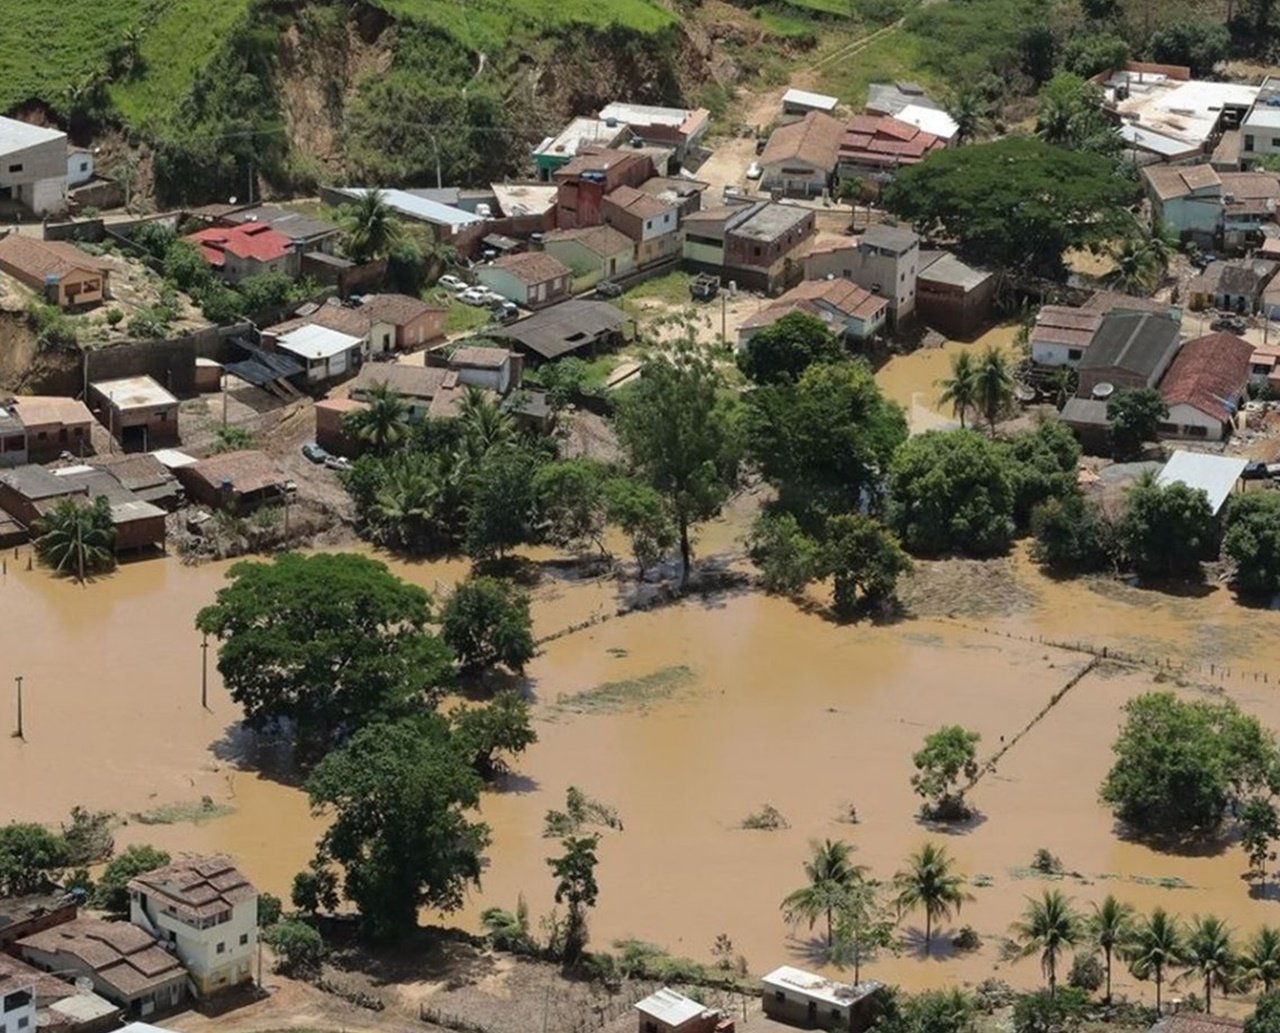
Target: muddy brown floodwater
pixel 717 707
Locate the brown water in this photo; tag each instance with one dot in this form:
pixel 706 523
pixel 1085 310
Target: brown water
pixel 780 707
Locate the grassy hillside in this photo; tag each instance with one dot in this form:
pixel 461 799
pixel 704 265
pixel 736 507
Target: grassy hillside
pixel 488 24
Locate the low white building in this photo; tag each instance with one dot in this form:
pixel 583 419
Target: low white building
pixel 79 166
pixel 488 368
pixel 17 999
pixel 1216 476
pixel 797 997
pixel 33 166
pixel 208 914
pixel 930 120
pixel 326 354
pixel 1061 334
pixel 797 102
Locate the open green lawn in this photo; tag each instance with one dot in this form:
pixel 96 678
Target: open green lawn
pixel 896 55
pixel 461 316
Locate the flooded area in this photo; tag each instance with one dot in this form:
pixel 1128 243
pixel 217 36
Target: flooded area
pixel 712 709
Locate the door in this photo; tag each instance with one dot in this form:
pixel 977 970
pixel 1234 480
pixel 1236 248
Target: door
pixel 813 1013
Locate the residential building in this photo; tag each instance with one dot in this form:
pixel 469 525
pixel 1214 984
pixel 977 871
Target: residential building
pixel 33 913
pixel 235 482
pixel 886 261
pixel 1248 208
pixel 801 998
pixel 555 152
pixel 124 963
pixel 493 369
pixel 137 411
pixel 416 386
pixel 306 233
pixel 1216 476
pixel 33 166
pixel 1264 368
pixel 144 475
pixel 59 1006
pixel 685 194
pixel 800 157
pixel 79 166
pixel 801 102
pixel 51 425
pixel 931 120
pixel 325 354
pixel 252 249
pixel 1130 350
pixel 891 98
pixel 649 221
pixel 1205 387
pixel 666 1011
pixel 592 253
pixel 401 322
pixel 28 493
pixel 1260 129
pixel 448 222
pixel 951 296
pixel 1234 286
pixel 876 146
pixel 703 245
pixel 1107 302
pixel 1061 334
pixel 759 250
pixel 574 327
pixel 1187 198
pixel 532 279
pixel 1087 419
pixel 582 184
pixel 203 907
pixel 59 272
pixel 850 312
pixel 13 438
pixel 681 129
pixel 17 997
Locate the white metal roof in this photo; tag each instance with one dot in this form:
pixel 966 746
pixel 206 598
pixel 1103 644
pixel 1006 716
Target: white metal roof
pixel 931 120
pixel 1156 143
pixel 134 392
pixel 1214 475
pixel 317 342
pixel 644 114
pixel 173 459
pixel 581 132
pixel 817 987
pixel 418 207
pixel 817 101
pixel 1263 118
pixel 16 135
pixel 670 1007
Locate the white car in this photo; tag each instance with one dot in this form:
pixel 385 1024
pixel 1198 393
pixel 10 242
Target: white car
pixel 754 171
pixel 493 297
pixel 475 296
pixel 452 284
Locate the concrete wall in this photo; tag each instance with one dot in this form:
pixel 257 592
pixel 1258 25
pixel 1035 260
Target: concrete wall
pixel 37 175
pixel 1187 422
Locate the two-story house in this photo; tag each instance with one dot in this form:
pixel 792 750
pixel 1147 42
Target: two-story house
pixel 207 912
pixel 885 260
pixel 650 221
pixel 17 998
pixel 583 184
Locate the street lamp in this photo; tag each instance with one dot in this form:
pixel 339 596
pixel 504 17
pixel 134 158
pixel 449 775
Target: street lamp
pixel 204 671
pixel 19 733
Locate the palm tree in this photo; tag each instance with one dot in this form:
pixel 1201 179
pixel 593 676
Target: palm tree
pixel 1056 119
pixel 830 873
pixel 77 537
pixel 993 385
pixel 371 226
pixel 1111 927
pixel 1260 963
pixel 960 390
pixel 1049 925
pixel 1156 947
pixel 484 425
pixel 929 883
pixel 1142 257
pixel 383 423
pixel 1211 955
pixel 966 110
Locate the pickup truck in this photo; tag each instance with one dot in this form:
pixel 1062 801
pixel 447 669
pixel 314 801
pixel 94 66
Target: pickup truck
pixel 704 287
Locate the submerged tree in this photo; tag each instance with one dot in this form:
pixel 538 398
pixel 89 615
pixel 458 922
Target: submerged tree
pixel 949 755
pixel 960 390
pixel 830 873
pixel 1111 929
pixel 928 883
pixel 1049 926
pixel 575 873
pixel 77 539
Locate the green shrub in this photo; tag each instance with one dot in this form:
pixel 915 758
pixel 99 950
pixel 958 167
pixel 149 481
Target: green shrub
pixel 298 948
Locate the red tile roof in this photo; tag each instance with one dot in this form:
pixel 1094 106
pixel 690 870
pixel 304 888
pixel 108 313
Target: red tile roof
pixel 883 140
pixel 814 140
pixel 533 267
pixel 255 240
pixel 817 298
pixel 41 259
pixel 1208 374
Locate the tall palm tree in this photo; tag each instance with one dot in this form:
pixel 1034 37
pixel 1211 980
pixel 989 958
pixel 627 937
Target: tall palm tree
pixel 77 538
pixel 383 423
pixel 1049 925
pixel 484 425
pixel 371 226
pixel 960 390
pixel 966 110
pixel 831 873
pixel 1260 963
pixel 928 882
pixel 1111 928
pixel 1157 946
pixel 1211 955
pixel 993 384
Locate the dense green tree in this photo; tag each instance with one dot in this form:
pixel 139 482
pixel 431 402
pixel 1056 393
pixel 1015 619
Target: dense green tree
pixel 1259 828
pixel 371 227
pixel 968 109
pixel 829 873
pixel 1088 53
pixel 644 517
pixel 327 643
pixel 952 491
pixel 221 305
pixel 1197 43
pixel 1260 963
pixel 1210 954
pixel 1167 529
pixel 509 930
pixel 1266 1014
pixel 77 539
pixel 681 437
pixel 864 926
pixel 503 726
pixel 31 858
pixel 945 765
pixel 825 441
pixel 88 836
pixel 268 291
pixel 788 558
pixel 383 424
pixel 270 908
pixel 398 794
pixel 864 561
pixel 1135 416
pixel 298 948
pixel 960 389
pixel 186 268
pixel 486 621
pixel 1048 927
pixel 484 425
pixel 504 501
pixel 575 874
pixel 1018 203
pixel 1157 946
pixel 1252 541
pixel 112 891
pixel 571 502
pixel 1070 114
pixel 1061 1012
pixel 1045 465
pixel 1141 256
pixel 934 1011
pixel 1110 927
pixel 1179 765
pixel 315 889
pixel 929 883
pixel 782 352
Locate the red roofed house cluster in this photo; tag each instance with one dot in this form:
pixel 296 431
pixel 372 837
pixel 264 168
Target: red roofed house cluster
pixel 252 249
pixel 881 144
pixel 1205 386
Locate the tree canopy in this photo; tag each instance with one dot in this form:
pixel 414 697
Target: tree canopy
pixel 1252 541
pixel 1135 417
pixel 31 858
pixel 782 352
pixel 947 761
pixel 1167 529
pixel 77 539
pixel 1017 202
pixel 486 621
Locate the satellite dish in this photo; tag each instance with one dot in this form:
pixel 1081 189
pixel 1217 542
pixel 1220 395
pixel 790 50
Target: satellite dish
pixel 84 984
pixel 1103 391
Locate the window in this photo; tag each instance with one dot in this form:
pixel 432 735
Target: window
pixel 1073 354
pixel 23 1020
pixel 835 1014
pixel 1197 431
pixel 755 251
pixel 650 1027
pixel 1248 143
pixel 84 166
pixel 16 168
pixel 42 435
pixel 778 995
pixel 222 948
pixel 244 939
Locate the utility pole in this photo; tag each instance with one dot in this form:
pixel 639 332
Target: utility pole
pixel 724 334
pixel 19 733
pixel 204 671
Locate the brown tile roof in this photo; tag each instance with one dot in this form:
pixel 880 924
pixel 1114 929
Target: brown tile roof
pixel 1244 276
pixel 399 309
pixel 410 381
pixel 1111 301
pixel 1251 185
pixel 479 357
pixel 533 267
pixel 597 159
pixel 1060 324
pixel 1208 374
pixel 817 298
pixel 15 973
pixel 40 259
pixel 1190 1022
pixel 249 471
pixel 884 140
pixel 47 410
pixel 1170 181
pixel 602 240
pixel 814 140
pixel 637 202
pixel 355 322
pixel 122 955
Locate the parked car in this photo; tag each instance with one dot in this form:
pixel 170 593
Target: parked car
pixel 314 452
pixel 506 312
pixel 337 463
pixel 1228 324
pixel 608 289
pixel 492 297
pixel 475 296
pixel 704 287
pixel 1255 471
pixel 754 170
pixel 451 283
pixel 761 143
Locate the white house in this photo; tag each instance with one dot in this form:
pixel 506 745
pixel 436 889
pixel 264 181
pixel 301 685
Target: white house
pixel 17 997
pixel 79 166
pixel 33 166
pixel 489 368
pixel 207 912
pixel 326 354
pixel 1061 334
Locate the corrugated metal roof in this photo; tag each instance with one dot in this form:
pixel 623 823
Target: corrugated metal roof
pixel 1214 475
pixel 418 207
pixel 670 1007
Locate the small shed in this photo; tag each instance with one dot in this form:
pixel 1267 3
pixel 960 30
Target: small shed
pixel 327 354
pixel 234 481
pixel 801 998
pixel 666 1011
pixel 137 412
pixel 1216 476
pixel 798 102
